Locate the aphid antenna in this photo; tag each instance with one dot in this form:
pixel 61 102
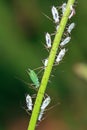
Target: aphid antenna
pixel 47 16
pixel 31 86
pixel 66 34
pixel 52 107
pixel 38 68
pixel 41 68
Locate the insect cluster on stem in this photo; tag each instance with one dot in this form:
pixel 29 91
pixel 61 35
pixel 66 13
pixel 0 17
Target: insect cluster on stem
pixel 66 37
pixel 61 53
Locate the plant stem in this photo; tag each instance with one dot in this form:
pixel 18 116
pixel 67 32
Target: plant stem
pixel 48 69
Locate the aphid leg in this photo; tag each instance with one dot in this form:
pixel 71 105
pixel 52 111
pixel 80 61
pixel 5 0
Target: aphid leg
pixel 52 107
pixel 46 48
pixel 49 81
pixel 46 95
pixel 72 12
pixel 39 122
pixel 31 86
pixel 26 110
pixel 53 34
pixel 40 70
pixel 52 74
pixel 66 34
pixel 34 95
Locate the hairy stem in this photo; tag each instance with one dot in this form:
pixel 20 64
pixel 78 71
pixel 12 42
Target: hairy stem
pixel 47 72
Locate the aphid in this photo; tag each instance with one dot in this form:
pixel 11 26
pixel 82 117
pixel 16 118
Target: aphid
pixel 65 41
pixel 43 107
pixel 46 102
pixel 48 40
pixel 70 28
pixel 34 77
pixel 60 55
pixel 45 62
pixel 63 8
pixel 55 14
pixel 29 102
pixel 72 12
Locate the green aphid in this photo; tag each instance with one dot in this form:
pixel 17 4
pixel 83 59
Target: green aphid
pixel 34 77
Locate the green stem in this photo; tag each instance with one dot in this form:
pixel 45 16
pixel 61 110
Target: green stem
pixel 47 72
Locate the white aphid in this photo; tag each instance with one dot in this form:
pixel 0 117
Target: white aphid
pixel 48 40
pixel 63 8
pixel 45 62
pixel 29 102
pixel 70 28
pixel 65 41
pixel 72 12
pixel 55 14
pixel 60 55
pixel 43 106
pixel 46 102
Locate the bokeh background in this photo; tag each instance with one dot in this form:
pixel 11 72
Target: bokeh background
pixel 22 38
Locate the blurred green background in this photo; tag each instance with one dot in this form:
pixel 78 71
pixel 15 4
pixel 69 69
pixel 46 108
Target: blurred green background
pixel 22 38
